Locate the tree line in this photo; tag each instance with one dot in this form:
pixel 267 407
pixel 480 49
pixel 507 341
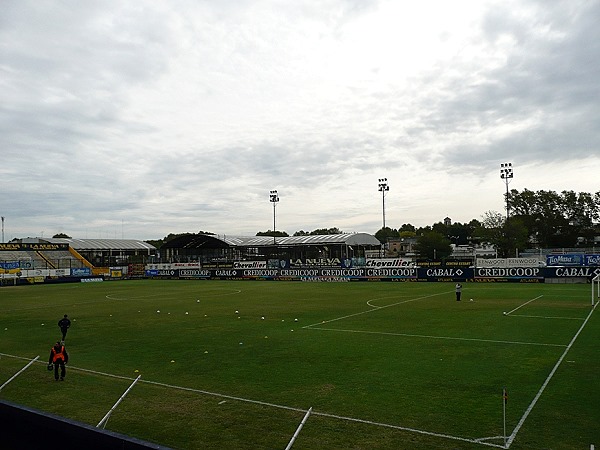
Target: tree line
pixel 542 219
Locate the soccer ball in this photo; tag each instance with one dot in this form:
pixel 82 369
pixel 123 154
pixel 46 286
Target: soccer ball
pixel 504 313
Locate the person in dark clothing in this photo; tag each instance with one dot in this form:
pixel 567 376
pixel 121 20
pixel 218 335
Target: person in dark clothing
pixel 59 357
pixel 458 290
pixel 64 325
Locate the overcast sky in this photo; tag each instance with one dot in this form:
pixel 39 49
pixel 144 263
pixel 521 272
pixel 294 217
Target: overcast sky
pixel 136 119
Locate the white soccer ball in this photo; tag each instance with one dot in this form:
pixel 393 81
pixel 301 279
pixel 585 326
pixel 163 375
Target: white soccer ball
pixel 236 311
pixel 262 318
pixel 504 313
pixel 186 313
pixel 158 310
pixel 295 320
pixel 471 300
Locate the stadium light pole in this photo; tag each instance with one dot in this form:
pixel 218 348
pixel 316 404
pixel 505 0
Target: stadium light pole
pixel 274 198
pixel 383 188
pixel 506 173
pixel 3 229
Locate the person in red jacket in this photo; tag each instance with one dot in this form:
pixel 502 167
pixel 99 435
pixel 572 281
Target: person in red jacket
pixel 59 357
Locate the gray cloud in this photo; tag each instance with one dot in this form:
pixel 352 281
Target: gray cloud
pixel 146 118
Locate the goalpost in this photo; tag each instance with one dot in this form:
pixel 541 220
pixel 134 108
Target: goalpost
pixel 596 289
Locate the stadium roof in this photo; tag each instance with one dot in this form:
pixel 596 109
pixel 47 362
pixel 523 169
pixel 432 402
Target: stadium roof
pixel 214 241
pixel 102 244
pixel 321 239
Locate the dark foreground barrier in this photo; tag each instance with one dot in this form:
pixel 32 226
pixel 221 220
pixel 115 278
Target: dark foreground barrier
pixel 25 428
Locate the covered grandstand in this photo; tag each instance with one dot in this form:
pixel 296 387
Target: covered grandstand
pixel 207 248
pixel 203 248
pixel 69 253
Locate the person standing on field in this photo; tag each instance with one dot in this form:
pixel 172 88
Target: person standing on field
pixel 59 357
pixel 64 325
pixel 458 290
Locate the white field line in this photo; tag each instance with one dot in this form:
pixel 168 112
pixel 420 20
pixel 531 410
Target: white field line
pixel 526 303
pixel 382 298
pixel 288 408
pixel 552 372
pixel 424 336
pixel 376 308
pixel 19 372
pixel 413 430
pixel 548 317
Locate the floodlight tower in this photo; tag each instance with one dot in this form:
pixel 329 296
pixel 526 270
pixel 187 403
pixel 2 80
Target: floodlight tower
pixel 383 188
pixel 506 173
pixel 274 198
pixel 3 229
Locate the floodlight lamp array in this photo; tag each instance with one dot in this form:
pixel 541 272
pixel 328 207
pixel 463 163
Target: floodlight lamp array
pixel 383 186
pixel 506 171
pixel 273 196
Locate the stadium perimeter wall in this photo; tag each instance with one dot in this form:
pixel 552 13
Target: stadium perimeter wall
pixel 432 271
pixel 406 274
pixel 27 428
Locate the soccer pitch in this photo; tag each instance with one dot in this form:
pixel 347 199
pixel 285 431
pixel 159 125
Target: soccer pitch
pixel 383 365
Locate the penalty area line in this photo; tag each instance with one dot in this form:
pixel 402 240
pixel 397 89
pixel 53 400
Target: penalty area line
pixel 548 317
pixel 526 303
pixel 424 336
pixel 274 405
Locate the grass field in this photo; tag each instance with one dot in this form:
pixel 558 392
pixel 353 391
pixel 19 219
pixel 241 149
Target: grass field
pixel 383 365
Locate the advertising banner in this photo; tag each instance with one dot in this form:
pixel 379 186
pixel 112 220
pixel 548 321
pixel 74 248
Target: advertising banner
pixel 81 272
pixel 445 273
pixel 452 263
pixel 194 273
pixel 250 265
pixel 571 272
pixel 36 273
pixel 575 259
pixel 318 262
pixel 32 247
pixel 59 272
pixel 389 262
pixel 592 260
pixel 507 262
pixel 509 273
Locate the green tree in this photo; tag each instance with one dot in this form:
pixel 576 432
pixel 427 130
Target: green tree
pixel 272 233
pixel 506 237
pixel 322 231
pixel 385 234
pixel 61 235
pixel 556 220
pixel 433 246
